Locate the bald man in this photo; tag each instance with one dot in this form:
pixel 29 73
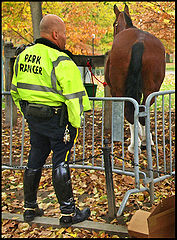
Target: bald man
pixel 48 89
pixel 53 28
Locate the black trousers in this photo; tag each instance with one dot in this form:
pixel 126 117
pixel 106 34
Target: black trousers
pixel 46 135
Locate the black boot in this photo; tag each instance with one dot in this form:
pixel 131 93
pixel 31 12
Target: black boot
pixel 31 181
pixel 63 189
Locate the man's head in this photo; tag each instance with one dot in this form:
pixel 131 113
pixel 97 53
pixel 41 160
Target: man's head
pixel 53 28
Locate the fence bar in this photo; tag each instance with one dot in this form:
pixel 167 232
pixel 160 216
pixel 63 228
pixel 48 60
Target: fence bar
pixel 93 121
pixel 102 129
pixel 136 156
pixel 125 199
pixel 163 177
pixel 163 126
pixel 22 146
pixel 123 164
pixel 74 155
pixel 149 153
pixel 11 127
pixel 156 140
pixel 83 139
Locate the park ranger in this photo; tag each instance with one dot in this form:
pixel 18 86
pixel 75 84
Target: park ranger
pixel 48 89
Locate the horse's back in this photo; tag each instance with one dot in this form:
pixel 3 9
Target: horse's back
pixel 127 38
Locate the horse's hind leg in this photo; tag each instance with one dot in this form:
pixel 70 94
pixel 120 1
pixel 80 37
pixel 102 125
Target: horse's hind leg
pixel 132 143
pixel 129 115
pixel 143 137
pixel 143 130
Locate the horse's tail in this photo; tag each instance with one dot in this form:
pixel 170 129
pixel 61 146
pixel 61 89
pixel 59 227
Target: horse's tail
pixel 133 85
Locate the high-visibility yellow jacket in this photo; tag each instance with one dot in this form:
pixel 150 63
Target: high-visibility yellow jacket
pixel 45 75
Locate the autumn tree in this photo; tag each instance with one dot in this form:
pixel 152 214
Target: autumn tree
pixel 16 22
pixel 86 18
pixel 36 14
pixel 157 18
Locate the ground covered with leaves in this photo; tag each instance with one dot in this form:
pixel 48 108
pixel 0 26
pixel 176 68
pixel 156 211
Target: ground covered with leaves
pixel 89 190
pixel 89 185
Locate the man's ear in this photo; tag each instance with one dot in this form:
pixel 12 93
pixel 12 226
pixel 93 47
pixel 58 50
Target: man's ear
pixel 55 35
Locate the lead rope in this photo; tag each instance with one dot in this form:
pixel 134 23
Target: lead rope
pixel 92 75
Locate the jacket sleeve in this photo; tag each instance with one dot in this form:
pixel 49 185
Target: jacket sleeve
pixel 70 81
pixel 14 92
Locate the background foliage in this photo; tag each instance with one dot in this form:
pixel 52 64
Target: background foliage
pixel 86 18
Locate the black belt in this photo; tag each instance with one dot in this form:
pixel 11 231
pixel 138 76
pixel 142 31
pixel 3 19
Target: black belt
pixel 24 103
pixel 43 111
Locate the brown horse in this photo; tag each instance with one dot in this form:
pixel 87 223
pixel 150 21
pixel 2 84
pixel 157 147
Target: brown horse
pixel 135 66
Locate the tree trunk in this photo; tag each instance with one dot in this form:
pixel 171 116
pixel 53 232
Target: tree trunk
pixel 10 107
pixel 108 107
pixel 107 110
pixel 36 13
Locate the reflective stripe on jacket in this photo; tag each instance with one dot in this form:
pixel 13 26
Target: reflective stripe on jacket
pixel 47 76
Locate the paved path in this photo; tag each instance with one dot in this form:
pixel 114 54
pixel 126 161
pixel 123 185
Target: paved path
pixel 90 225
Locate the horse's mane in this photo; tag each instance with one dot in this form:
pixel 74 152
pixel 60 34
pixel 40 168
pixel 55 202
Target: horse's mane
pixel 128 20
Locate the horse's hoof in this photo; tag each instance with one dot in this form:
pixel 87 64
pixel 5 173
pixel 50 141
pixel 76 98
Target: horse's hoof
pixel 143 143
pixel 143 147
pixel 131 149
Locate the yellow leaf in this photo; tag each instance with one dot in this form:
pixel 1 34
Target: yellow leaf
pixel 46 205
pixel 113 221
pixel 68 230
pixel 82 174
pixel 80 191
pixel 166 20
pixel 141 197
pixel 95 190
pixel 60 231
pixel 126 214
pixel 4 195
pixel 50 228
pixel 23 226
pixel 93 212
pixel 20 185
pixel 15 218
pixel 11 178
pixel 53 235
pixel 73 235
pixel 81 204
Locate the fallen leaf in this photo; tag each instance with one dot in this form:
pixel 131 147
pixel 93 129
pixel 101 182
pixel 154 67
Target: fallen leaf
pixel 61 230
pixel 128 179
pixel 23 226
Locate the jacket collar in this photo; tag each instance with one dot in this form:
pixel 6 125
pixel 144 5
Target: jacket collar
pixel 52 45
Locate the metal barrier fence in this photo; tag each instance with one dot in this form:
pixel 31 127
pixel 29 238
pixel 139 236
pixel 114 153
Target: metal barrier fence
pixel 88 154
pixel 164 142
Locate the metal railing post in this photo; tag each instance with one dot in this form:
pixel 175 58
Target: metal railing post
pixel 149 153
pixel 109 180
